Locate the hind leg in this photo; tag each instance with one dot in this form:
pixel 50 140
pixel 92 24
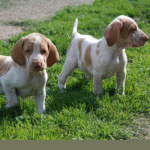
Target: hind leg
pixel 69 66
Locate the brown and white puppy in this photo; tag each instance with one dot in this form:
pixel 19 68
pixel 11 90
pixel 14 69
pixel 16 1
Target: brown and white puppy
pixel 103 58
pixel 24 73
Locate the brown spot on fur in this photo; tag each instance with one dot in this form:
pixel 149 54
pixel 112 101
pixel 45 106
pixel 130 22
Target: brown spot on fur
pixel 4 67
pixel 28 46
pixel 79 47
pixel 84 68
pixel 87 55
pixel 69 47
pixel 98 44
pixel 98 50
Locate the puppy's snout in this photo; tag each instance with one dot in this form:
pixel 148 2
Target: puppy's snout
pixel 37 65
pixel 145 38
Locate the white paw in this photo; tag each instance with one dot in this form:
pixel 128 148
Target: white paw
pixel 7 106
pixel 62 87
pixel 98 92
pixel 41 111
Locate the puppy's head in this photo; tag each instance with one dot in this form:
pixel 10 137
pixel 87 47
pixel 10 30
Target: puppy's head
pixel 35 51
pixel 124 29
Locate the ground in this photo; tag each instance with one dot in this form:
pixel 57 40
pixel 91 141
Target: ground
pixel 16 10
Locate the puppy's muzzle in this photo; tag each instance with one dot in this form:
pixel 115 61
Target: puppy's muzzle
pixel 37 66
pixel 145 38
pixel 141 42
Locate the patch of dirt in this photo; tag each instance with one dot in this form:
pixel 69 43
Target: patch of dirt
pixel 31 9
pixel 7 31
pixel 140 128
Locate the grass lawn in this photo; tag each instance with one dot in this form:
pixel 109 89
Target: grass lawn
pixel 78 114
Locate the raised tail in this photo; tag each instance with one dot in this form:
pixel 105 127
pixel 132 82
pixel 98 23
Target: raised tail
pixel 74 32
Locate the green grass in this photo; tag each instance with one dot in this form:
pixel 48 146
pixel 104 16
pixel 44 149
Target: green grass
pixel 78 114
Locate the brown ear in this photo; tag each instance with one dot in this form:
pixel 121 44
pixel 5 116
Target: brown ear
pixel 125 30
pixel 53 56
pixel 112 32
pixel 17 52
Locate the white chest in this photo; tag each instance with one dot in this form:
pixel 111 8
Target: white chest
pixel 108 66
pixel 111 69
pixel 24 83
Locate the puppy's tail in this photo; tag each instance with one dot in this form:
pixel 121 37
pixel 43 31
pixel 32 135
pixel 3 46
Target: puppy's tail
pixel 74 32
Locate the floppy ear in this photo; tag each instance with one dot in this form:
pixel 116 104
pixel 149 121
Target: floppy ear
pixel 112 32
pixel 125 30
pixel 53 56
pixel 17 52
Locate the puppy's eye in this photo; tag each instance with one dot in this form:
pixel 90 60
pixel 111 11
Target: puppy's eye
pixel 28 51
pixel 43 51
pixel 134 29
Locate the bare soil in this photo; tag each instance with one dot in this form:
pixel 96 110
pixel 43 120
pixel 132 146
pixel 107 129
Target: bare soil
pixel 31 9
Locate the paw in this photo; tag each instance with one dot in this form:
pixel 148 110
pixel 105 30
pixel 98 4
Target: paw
pixel 121 92
pixel 98 92
pixel 63 90
pixel 7 106
pixel 62 87
pixel 41 111
pixel 100 96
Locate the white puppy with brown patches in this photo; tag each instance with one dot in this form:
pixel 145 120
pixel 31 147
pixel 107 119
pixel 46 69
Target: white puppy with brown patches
pixel 101 59
pixel 24 73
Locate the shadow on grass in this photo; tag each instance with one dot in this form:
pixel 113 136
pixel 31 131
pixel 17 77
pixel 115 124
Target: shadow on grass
pixel 10 114
pixel 25 106
pixel 76 95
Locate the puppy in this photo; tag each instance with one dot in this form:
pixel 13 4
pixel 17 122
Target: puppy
pixel 103 58
pixel 24 73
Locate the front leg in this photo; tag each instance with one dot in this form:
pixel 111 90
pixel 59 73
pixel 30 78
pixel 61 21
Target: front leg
pixel 11 96
pixel 120 76
pixel 97 83
pixel 40 101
